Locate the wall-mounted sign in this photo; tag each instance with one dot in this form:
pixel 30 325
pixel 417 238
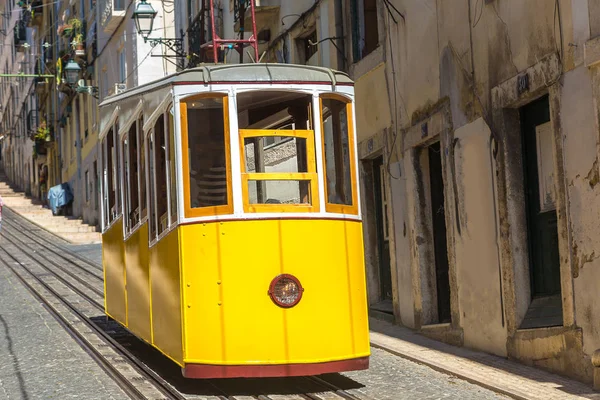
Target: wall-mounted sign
pixel 522 83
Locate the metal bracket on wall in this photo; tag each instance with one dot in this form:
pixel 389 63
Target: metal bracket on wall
pixel 173 44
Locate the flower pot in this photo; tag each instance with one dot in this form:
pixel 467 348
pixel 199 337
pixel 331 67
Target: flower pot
pixel 79 50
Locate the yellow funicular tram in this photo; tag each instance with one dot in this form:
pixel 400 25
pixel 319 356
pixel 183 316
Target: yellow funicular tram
pixel 232 235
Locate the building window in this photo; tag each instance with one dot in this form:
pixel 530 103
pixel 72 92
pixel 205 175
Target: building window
pixel 310 49
pixel 119 5
pixel 122 67
pixel 87 185
pixel 104 83
pixel 365 34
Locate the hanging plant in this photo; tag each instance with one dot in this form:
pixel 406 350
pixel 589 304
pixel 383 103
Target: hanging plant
pixel 76 24
pixel 65 30
pixel 43 133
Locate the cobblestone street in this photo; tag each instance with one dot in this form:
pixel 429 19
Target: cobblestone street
pixel 391 377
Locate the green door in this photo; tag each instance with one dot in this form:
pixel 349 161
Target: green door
pixel 538 167
pixel 383 242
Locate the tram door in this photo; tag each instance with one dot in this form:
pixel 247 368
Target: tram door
pixel 383 242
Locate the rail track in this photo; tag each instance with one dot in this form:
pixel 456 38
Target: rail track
pixel 71 288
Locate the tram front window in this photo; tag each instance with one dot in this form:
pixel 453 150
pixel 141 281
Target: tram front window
pixel 279 165
pixel 207 152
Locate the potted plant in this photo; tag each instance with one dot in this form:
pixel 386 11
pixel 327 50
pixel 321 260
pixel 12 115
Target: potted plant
pixel 78 45
pixel 43 133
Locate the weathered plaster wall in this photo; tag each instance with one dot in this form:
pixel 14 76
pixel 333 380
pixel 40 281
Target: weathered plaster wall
pixel 406 291
pixel 581 164
pixel 477 258
pixel 372 104
pixel 509 36
pixel 415 45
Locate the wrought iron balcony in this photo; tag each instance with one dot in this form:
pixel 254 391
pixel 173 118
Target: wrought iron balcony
pixel 20 33
pixel 33 13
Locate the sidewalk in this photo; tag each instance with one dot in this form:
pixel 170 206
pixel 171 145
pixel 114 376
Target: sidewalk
pixel 492 372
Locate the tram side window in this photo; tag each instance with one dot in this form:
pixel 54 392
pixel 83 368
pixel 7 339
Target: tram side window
pixel 161 174
pixel 337 151
pixel 130 158
pixel 152 185
pixel 111 177
pixel 207 158
pixel 142 153
pixel 171 162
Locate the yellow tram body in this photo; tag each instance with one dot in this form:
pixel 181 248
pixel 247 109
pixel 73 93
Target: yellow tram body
pixel 199 282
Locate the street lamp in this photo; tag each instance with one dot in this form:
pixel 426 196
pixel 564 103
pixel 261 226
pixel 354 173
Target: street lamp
pixel 72 72
pixel 144 18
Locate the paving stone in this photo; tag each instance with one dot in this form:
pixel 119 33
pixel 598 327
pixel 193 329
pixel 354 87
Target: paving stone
pixel 391 378
pixel 497 373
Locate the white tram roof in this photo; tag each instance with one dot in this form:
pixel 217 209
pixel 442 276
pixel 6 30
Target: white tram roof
pixel 154 93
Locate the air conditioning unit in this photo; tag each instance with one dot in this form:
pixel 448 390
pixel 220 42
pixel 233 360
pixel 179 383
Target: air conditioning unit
pixel 120 87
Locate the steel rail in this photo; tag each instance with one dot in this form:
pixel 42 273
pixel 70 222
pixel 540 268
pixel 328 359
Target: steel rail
pixel 160 384
pixel 62 279
pixel 25 222
pixel 27 233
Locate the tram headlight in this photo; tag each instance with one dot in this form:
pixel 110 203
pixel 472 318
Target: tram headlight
pixel 286 290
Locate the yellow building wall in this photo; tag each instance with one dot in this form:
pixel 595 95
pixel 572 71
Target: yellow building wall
pixel 229 317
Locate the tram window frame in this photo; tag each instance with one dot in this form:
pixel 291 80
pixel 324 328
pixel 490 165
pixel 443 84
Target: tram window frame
pixel 266 123
pixel 160 175
pixel 132 184
pixel 152 229
pixel 143 185
pixel 111 176
pixel 171 158
pixel 351 209
pixel 204 211
pixel 164 128
pixel 309 176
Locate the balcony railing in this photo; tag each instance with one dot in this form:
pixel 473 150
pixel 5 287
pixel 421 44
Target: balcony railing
pixel 34 13
pixel 20 35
